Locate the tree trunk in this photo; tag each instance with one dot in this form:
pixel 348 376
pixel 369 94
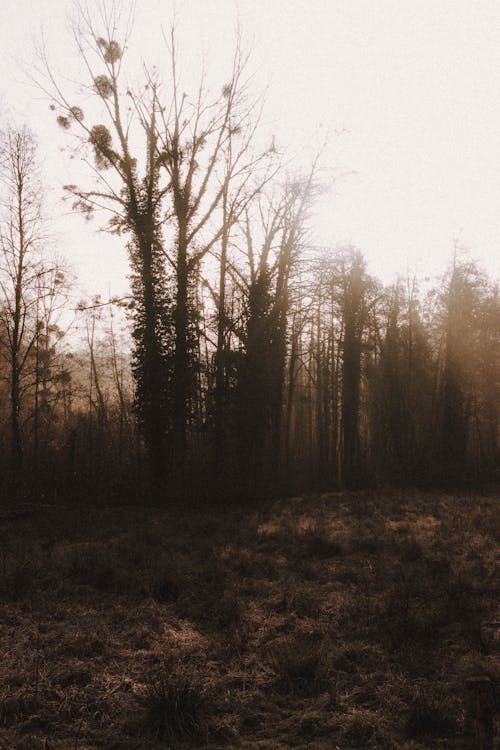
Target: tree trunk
pixel 181 363
pixel 220 355
pixel 154 427
pixel 17 442
pixel 351 375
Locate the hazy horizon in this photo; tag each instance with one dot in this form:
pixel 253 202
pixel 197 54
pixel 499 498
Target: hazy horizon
pixel 408 95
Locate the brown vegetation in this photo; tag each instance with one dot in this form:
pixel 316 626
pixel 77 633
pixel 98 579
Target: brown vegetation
pixel 348 620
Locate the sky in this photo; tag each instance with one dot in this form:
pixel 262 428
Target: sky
pixel 408 92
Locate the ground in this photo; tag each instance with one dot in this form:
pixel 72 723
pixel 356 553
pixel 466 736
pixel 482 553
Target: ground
pixel 346 620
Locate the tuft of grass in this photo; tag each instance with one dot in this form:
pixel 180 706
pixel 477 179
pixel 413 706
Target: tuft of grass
pixel 318 545
pixel 420 602
pixel 299 667
pixel 18 574
pixel 83 645
pixel 302 600
pixel 428 718
pixel 91 565
pixel 161 580
pixel 15 708
pixel 175 705
pixel 361 728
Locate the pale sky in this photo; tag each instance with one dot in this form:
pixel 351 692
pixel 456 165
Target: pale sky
pixel 411 86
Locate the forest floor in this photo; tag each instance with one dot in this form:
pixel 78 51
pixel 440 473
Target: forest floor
pixel 346 620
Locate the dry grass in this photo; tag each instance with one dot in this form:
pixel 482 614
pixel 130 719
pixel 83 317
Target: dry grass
pixel 336 621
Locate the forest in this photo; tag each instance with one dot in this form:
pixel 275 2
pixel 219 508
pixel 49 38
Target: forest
pixel 244 356
pixel 252 502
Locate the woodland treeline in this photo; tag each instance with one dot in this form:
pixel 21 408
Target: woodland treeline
pixel 251 361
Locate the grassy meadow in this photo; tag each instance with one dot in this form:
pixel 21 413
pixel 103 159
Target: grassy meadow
pixel 336 621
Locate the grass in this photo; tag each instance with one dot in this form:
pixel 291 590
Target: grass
pixel 299 665
pixel 174 703
pixel 349 620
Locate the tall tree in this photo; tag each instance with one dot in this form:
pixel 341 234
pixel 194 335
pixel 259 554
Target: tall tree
pixel 128 186
pixel 174 199
pixel 355 312
pixel 272 253
pixel 21 266
pixel 463 301
pixel 205 149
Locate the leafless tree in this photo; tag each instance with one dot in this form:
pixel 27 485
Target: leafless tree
pixel 176 199
pixel 22 269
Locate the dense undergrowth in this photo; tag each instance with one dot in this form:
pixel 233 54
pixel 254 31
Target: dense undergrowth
pixel 346 620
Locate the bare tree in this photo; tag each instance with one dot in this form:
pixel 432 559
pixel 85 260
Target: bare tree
pixel 51 377
pixel 175 199
pixel 273 244
pixel 213 174
pixel 124 183
pixel 21 266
